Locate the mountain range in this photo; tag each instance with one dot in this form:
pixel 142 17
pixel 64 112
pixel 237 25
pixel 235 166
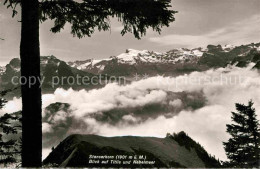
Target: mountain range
pixel 131 62
pixel 176 61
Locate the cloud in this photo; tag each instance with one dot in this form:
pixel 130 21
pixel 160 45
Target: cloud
pixel 130 118
pixel 245 31
pixel 46 128
pixel 111 96
pixel 176 103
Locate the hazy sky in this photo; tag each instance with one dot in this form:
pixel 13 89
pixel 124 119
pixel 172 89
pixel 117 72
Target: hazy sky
pixel 198 23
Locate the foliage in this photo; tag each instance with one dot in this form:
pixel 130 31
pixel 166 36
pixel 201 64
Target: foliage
pixel 85 16
pixel 9 148
pixel 243 147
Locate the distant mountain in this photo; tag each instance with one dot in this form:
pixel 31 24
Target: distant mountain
pixel 173 62
pixel 53 70
pixel 77 150
pixel 142 62
pixel 53 67
pixel 217 56
pixel 134 57
pixel 12 69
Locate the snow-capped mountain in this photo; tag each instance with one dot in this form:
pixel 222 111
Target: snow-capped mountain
pixel 137 60
pixel 132 57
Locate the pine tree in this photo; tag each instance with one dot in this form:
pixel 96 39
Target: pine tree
pixel 243 148
pixel 9 148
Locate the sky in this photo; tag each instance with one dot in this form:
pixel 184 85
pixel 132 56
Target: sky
pixel 198 23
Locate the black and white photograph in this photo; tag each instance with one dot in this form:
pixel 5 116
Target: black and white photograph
pixel 129 83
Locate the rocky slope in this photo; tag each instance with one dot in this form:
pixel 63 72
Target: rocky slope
pixel 90 150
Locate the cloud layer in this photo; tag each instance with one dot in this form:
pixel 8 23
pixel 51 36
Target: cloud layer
pixel 222 88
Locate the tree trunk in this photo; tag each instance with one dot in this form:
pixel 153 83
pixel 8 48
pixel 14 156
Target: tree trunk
pixel 31 95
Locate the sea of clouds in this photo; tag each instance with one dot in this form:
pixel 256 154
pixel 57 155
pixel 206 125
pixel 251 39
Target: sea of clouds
pixel 222 88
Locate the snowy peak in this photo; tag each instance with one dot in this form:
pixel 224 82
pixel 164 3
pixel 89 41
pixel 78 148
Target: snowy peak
pixel 188 52
pixel 228 48
pixel 135 57
pixel 45 60
pixel 132 56
pixel 144 56
pixel 89 64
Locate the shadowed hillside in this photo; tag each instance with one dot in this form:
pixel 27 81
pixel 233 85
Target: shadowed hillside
pixel 76 151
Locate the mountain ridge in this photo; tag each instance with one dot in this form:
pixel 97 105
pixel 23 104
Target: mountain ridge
pixel 190 57
pixel 75 150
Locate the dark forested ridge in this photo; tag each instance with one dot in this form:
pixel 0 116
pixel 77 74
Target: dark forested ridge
pixel 76 149
pixel 184 140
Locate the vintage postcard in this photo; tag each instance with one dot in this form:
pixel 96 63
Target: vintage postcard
pixel 129 83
